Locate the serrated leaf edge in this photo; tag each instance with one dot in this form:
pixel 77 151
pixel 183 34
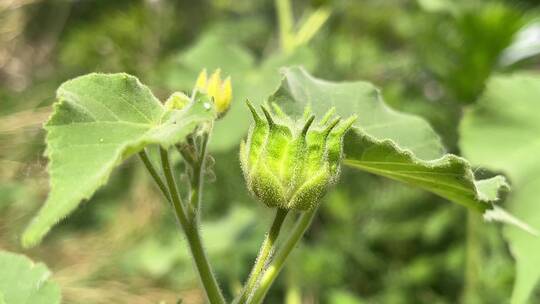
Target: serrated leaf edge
pixel 30 237
pixel 441 162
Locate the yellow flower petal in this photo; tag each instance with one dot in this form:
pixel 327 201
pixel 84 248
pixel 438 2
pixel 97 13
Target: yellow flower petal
pixel 214 84
pixel 201 82
pixel 219 91
pixel 225 96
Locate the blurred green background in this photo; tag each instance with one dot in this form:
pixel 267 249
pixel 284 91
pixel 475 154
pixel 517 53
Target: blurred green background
pixel 374 240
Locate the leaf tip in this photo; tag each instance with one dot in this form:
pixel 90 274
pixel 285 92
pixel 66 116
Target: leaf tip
pixel 30 238
pixel 498 214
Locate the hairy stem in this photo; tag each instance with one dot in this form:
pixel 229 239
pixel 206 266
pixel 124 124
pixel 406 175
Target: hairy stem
pixel 266 250
pixel 197 177
pixel 277 264
pixel 192 235
pixel 173 190
pixel 155 175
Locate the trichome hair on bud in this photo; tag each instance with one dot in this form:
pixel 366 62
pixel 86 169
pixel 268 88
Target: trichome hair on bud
pixel 291 164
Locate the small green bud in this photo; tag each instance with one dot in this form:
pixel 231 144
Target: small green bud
pixel 177 101
pixel 290 164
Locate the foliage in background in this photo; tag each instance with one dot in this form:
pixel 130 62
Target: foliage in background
pixel 395 244
pixel 506 113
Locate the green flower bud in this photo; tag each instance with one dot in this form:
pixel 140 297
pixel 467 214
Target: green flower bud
pixel 177 101
pixel 290 164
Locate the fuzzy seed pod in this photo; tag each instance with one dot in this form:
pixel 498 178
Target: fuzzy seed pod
pixel 290 164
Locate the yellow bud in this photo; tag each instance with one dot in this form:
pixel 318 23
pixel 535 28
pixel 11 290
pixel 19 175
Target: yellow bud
pixel 214 84
pixel 224 100
pixel 220 91
pixel 201 81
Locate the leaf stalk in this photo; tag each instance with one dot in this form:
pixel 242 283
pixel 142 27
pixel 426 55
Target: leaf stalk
pixel 265 252
pixel 272 271
pixel 188 223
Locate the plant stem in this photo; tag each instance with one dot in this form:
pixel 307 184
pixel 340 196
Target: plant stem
pixel 173 190
pixel 472 258
pixel 293 294
pixel 192 235
pixel 266 250
pixel 157 178
pixel 285 22
pixel 277 264
pixel 197 177
pixel 311 26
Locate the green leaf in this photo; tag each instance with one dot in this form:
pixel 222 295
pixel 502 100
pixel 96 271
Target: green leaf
pixel 250 80
pixel 98 121
pixel 388 143
pixel 502 132
pixel 23 282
